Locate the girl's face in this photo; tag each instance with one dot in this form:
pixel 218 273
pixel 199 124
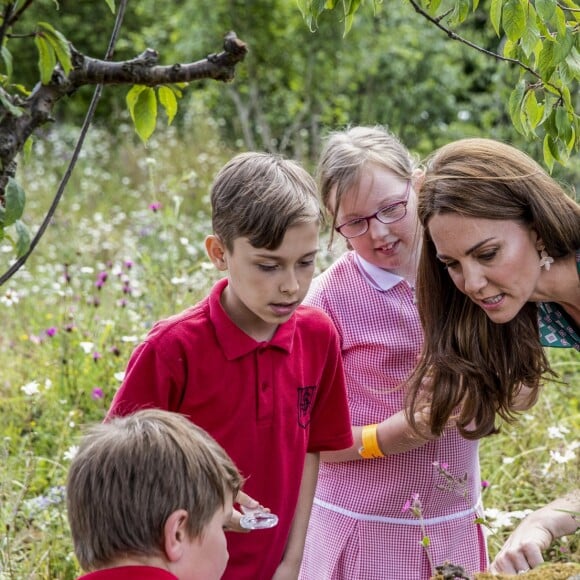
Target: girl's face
pixel 494 262
pixel 393 246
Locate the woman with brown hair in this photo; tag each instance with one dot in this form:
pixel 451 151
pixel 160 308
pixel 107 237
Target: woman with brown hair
pixel 498 280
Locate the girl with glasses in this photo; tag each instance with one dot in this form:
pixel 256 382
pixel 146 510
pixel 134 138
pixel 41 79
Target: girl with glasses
pixel 395 505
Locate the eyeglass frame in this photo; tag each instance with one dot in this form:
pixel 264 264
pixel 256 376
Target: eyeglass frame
pixel 376 215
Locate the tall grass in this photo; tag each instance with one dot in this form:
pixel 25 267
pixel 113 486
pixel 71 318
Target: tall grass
pixel 125 249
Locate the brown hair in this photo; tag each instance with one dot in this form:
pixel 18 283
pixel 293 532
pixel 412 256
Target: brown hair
pixel 346 155
pixel 131 473
pixel 259 196
pixel 475 365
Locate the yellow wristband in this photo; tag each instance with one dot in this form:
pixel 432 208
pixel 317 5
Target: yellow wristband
pixel 370 444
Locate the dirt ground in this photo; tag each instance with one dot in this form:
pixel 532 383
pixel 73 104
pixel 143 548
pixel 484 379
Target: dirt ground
pixel 568 571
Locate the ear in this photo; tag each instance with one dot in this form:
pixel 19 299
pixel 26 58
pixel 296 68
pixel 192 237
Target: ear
pixel 174 535
pixel 417 179
pixel 216 252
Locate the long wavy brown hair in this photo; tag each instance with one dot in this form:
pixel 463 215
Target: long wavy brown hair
pixel 472 369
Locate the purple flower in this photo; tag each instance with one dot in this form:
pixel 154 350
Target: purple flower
pixel 155 206
pixel 128 264
pixel 97 355
pixel 97 394
pixel 50 331
pixel 484 483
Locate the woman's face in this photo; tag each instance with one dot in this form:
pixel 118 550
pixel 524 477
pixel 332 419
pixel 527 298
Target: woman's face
pixel 393 246
pixel 494 262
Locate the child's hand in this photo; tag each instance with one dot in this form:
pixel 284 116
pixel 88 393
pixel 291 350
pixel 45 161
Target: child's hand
pixel 243 500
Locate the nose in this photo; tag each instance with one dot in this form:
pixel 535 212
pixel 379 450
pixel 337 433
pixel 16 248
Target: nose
pixel 289 284
pixel 377 229
pixel 474 280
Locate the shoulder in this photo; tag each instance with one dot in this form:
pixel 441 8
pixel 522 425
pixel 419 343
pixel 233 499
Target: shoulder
pixel 194 320
pixel 314 321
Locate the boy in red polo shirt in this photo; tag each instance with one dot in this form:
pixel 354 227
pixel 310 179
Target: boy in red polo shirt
pixel 148 496
pixel 248 363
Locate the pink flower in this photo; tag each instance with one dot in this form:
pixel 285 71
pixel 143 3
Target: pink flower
pixel 406 506
pixel 155 206
pixel 484 483
pixel 50 331
pixel 97 394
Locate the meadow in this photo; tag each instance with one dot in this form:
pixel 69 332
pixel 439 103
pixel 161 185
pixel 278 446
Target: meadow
pixel 124 249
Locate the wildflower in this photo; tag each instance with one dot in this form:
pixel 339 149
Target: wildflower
pixel 484 483
pixel 50 331
pixel 70 453
pixel 31 388
pixel 97 355
pixel 128 264
pixel 97 394
pixel 86 346
pixel 10 297
pixel 155 206
pixel 120 376
pixel 557 432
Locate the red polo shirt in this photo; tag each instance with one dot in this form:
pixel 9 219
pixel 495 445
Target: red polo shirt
pixel 267 403
pixel 130 573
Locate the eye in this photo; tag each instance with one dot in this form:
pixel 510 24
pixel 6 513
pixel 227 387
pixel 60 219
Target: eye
pixel 488 256
pixel 267 267
pixel 307 263
pixel 450 265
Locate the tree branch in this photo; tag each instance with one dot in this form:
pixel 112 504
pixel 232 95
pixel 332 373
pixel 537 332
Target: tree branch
pixel 454 36
pixel 20 118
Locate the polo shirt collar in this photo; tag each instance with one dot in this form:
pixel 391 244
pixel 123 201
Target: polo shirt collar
pixel 234 341
pixel 375 276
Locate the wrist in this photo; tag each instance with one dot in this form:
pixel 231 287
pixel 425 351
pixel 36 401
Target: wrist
pixel 370 448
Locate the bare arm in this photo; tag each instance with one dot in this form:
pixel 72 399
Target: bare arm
pixel 523 549
pixel 290 565
pixel 394 435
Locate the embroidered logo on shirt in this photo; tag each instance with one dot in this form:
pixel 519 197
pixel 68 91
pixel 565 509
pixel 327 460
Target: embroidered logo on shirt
pixel 305 399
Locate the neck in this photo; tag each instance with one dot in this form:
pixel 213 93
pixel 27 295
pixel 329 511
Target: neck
pixel 561 284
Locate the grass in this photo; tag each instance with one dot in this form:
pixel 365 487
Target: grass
pixel 124 250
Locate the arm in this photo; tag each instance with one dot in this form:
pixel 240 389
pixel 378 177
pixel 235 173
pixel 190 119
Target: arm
pixel 290 565
pixel 394 435
pixel 523 549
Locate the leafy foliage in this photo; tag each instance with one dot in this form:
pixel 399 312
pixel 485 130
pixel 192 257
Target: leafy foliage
pixel 540 38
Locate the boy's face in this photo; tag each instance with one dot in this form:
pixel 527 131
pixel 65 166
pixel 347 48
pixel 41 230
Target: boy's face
pixel 207 556
pixel 266 286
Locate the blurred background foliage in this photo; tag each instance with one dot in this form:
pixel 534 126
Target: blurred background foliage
pixel 392 68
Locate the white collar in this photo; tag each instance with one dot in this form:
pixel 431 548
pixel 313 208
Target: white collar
pixel 377 277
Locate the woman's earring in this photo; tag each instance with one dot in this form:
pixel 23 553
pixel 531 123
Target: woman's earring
pixel 545 259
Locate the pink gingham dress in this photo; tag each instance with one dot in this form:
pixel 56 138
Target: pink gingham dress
pixel 359 529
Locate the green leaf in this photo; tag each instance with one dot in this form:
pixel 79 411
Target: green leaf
pixel 460 12
pixel 22 238
pixel 59 44
pixel 47 58
pixel 546 64
pixel 563 124
pixel 8 62
pixel 515 105
pixel 514 19
pixel 14 201
pixel 573 62
pixel 530 40
pixel 534 111
pixel 546 9
pixel 142 104
pixel 27 149
pixel 111 5
pixel 548 157
pixel 495 14
pixel 16 111
pixel 168 101
pixel 425 542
